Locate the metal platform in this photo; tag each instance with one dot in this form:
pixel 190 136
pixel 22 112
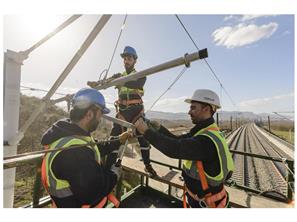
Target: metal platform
pixel 147 197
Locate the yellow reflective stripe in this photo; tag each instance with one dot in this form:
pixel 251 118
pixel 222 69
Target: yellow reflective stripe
pixel 65 142
pixel 187 163
pixel 126 90
pixel 223 152
pixel 220 176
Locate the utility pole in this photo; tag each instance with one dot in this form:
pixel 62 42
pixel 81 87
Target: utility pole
pixel 231 122
pixel 269 123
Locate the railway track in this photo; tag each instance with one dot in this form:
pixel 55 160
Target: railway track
pixel 259 174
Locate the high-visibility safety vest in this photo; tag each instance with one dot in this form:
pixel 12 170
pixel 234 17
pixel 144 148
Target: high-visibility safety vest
pixel 195 170
pixel 123 90
pixel 61 188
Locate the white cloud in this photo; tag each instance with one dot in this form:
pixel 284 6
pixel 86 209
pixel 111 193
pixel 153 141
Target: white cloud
pixel 229 17
pixel 252 17
pixel 269 104
pixel 242 34
pixel 245 18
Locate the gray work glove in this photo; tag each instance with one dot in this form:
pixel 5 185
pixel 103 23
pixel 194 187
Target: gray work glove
pixel 116 170
pixel 154 124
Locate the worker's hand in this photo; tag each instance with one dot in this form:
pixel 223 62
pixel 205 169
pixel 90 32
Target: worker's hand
pixel 154 124
pixel 125 136
pixel 116 170
pixel 92 84
pixel 141 126
pixel 117 75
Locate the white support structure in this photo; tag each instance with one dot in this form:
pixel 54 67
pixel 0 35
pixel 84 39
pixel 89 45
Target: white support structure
pixel 12 78
pixel 91 37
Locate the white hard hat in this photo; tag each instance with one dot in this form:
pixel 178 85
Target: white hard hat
pixel 206 96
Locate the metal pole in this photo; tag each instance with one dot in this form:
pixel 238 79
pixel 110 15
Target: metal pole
pixel 47 37
pixel 167 65
pixel 101 23
pixel 179 164
pixel 11 84
pixel 231 122
pixel 218 119
pixel 119 122
pixel 155 69
pixel 269 123
pixel 37 185
pixel 290 181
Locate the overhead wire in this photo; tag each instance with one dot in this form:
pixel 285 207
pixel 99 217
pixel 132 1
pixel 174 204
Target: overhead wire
pixel 115 48
pixel 174 81
pixel 211 69
pixel 41 90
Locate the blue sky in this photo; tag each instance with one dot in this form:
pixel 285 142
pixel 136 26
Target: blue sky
pixel 253 56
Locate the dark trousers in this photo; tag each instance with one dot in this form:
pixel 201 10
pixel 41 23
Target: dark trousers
pixel 129 114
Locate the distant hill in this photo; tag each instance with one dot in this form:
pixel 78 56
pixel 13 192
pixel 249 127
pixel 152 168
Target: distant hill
pixel 223 115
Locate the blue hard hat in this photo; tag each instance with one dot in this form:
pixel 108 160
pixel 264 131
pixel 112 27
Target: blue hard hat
pixel 128 50
pixel 88 96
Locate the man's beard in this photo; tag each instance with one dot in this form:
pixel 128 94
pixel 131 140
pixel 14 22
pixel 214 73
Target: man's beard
pixel 129 68
pixel 93 124
pixel 195 121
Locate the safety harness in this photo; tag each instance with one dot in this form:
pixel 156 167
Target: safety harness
pixel 209 199
pixel 128 102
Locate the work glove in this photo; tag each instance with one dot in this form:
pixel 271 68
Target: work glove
pixel 125 136
pixel 117 75
pixel 92 84
pixel 154 124
pixel 117 170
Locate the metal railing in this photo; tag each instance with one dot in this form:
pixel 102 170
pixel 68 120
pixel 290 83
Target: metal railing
pixel 36 160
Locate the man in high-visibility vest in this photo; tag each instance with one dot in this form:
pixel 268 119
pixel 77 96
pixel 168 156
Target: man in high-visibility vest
pixel 74 175
pixel 129 106
pixel 207 162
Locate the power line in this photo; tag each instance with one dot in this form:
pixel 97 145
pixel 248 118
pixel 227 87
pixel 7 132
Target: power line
pixel 221 85
pixel 276 113
pixel 41 90
pixel 174 81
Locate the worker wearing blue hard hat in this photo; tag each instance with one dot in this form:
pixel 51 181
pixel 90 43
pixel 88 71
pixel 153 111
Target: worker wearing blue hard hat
pixel 74 175
pixel 129 106
pixel 128 50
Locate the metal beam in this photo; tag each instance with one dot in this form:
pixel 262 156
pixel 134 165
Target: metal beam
pixel 167 65
pixel 119 122
pixel 91 37
pixel 185 60
pixel 54 32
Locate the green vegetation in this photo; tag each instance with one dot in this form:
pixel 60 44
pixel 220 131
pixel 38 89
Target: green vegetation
pixel 25 175
pixel 285 135
pixel 283 129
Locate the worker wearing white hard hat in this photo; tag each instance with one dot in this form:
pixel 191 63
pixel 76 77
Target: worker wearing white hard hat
pixel 207 162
